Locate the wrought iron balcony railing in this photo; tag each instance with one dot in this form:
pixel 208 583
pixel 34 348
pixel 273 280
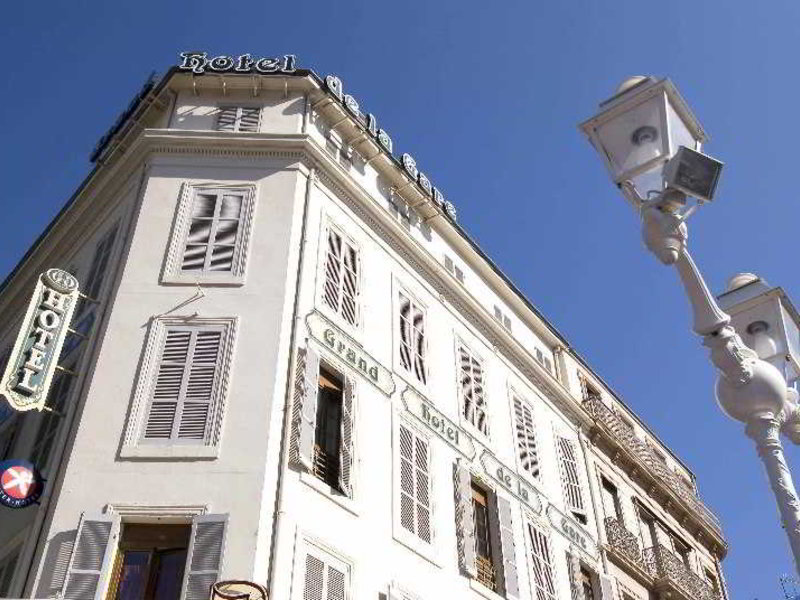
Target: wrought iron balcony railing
pixel 623 542
pixel 669 571
pixel 659 472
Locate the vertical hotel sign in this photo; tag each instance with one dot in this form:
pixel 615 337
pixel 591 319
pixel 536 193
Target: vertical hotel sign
pixel 34 358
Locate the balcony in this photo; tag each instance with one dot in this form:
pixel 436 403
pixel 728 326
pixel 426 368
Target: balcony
pixel 644 461
pixel 623 543
pixel 670 574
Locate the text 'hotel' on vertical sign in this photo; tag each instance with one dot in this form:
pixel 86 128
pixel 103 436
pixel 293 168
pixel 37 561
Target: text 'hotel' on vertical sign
pixel 34 358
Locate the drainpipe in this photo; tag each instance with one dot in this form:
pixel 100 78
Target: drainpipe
pixel 282 463
pixel 595 506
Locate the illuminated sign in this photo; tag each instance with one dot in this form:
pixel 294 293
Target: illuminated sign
pixel 511 482
pixel 199 63
pixel 34 358
pixel 350 352
pixel 20 484
pixel 407 162
pixel 435 420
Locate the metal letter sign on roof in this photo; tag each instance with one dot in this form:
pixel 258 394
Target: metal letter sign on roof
pixel 30 367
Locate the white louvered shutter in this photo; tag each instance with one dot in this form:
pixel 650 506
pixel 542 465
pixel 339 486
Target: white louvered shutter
pixel 570 477
pixel 95 541
pixel 340 290
pixel 542 564
pixel 526 437
pixel 325 578
pixel 412 338
pixel 304 417
pixel 415 484
pixel 465 520
pixel 508 555
pixel 213 241
pixel 606 587
pixel 238 118
pixel 574 570
pixel 183 395
pixel 346 439
pixel 226 118
pixel 248 118
pixel 472 391
pixel 204 558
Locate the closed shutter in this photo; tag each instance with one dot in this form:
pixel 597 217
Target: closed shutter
pixel 248 120
pixel 204 558
pixel 508 555
pixel 472 391
pixel 304 413
pixel 465 520
pixel 213 240
pixel 95 541
pixel 325 578
pixel 238 118
pixel 606 587
pixel 415 484
pixel 346 440
pixel 526 437
pixel 570 479
pixel 542 564
pixel 182 400
pixel 332 289
pixel 226 118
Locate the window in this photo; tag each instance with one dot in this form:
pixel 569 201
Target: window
pixel 586 583
pixel 526 437
pixel 712 581
pixel 611 505
pixel 502 318
pixel 586 587
pixel 92 285
pixel 180 396
pixel 412 338
pixel 51 420
pixel 322 422
pixel 341 288
pixel 238 118
pixel 212 230
pixel 472 392
pixel 7 567
pixel 455 271
pixel 164 562
pixel 414 483
pixel 544 360
pixel 570 478
pixel 541 563
pixel 325 577
pixel 485 535
pixel 8 437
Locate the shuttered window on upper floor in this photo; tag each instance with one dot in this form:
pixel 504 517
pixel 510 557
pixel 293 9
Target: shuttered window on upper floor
pixel 214 240
pixel 341 281
pixel 413 343
pixel 525 433
pixel 182 402
pixel 238 118
pixel 325 577
pixel 541 564
pixel 414 483
pixel 472 391
pixel 570 478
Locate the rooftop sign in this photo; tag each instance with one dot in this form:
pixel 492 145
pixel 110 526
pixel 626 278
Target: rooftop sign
pixel 34 358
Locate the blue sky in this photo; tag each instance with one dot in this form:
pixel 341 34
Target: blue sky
pixel 487 97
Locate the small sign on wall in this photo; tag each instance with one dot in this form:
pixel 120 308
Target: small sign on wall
pixel 34 358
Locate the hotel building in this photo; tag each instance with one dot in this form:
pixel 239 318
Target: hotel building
pixel 294 367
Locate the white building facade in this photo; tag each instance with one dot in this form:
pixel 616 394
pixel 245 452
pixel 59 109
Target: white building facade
pixel 298 370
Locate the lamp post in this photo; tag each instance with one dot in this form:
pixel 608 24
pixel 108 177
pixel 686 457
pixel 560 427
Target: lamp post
pixel 650 143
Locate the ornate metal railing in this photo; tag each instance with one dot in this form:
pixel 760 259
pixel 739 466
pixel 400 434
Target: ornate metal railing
pixel 668 569
pixel 604 415
pixel 623 541
pixel 486 574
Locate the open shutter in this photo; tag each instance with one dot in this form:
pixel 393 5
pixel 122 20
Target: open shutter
pixel 204 558
pixel 95 541
pixel 606 587
pixel 465 520
pixel 346 440
pixel 508 555
pixel 569 476
pixel 304 417
pixel 574 569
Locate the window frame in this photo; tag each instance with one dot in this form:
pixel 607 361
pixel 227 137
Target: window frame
pixel 408 374
pixel 428 550
pixel 172 272
pixel 472 429
pixel 305 545
pixel 322 256
pixel 581 477
pixel 133 445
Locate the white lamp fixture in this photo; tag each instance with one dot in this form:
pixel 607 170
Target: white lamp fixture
pixel 640 128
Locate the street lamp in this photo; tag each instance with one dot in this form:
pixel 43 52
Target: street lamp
pixel 650 143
